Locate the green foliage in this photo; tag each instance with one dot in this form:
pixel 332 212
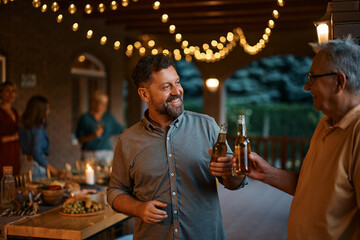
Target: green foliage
pixel 293 120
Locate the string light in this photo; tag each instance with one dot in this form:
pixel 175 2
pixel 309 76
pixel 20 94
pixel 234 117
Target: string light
pixel 156 5
pixel 220 49
pixel 172 29
pixel 89 34
pixel 44 8
pixel 117 45
pixel 54 6
pixel 35 3
pixel 101 8
pixel 75 27
pixel 59 18
pixel 114 5
pixel 103 40
pixel 72 9
pixel 88 9
pixel 164 18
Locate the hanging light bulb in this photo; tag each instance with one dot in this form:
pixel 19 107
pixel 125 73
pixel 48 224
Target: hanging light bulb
pixel 178 37
pixel 59 18
pixel 164 18
pixel 280 3
pixel 172 29
pixel 44 8
pixel 214 43
pixel 156 5
pixel 205 46
pixel 89 34
pixel 117 45
pixel 271 23
pixel 267 31
pixel 75 27
pixel 103 40
pixel 88 9
pixel 275 14
pixel 101 8
pixel 125 3
pixel 154 51
pixel 130 47
pixel 35 3
pixel 151 43
pixel 81 58
pixel 142 51
pixel 55 6
pixel 114 5
pixel 137 44
pixel 72 8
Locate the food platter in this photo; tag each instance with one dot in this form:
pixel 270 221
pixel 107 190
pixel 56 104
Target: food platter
pixel 81 214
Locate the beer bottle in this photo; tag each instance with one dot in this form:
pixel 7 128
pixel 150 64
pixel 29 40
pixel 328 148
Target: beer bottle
pixel 242 148
pixel 219 148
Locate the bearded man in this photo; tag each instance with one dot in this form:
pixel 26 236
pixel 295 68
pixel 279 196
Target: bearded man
pixel 161 164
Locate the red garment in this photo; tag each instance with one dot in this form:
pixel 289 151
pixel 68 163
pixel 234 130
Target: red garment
pixel 9 151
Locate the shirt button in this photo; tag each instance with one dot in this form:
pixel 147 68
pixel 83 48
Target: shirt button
pixel 175 211
pixel 168 139
pixel 170 155
pixel 172 174
pixel 174 193
pixel 176 230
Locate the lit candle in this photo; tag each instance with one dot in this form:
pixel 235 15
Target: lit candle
pixel 48 173
pixel 67 167
pixel 77 165
pixel 30 175
pixel 89 175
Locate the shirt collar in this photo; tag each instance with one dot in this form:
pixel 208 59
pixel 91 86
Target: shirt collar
pixel 354 113
pixel 151 127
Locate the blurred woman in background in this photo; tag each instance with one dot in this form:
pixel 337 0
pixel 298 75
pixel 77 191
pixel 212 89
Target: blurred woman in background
pixel 34 139
pixel 9 123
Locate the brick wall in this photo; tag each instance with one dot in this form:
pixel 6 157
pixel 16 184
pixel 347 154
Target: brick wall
pixel 33 42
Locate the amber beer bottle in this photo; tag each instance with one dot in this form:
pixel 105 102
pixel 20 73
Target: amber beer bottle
pixel 219 148
pixel 242 148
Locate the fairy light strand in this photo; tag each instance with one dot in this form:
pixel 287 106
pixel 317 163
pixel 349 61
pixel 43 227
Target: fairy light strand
pixel 215 50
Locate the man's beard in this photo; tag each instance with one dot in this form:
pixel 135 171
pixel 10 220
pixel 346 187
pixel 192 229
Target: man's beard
pixel 167 109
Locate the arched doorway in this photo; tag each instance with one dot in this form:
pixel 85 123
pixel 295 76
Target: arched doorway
pixel 88 74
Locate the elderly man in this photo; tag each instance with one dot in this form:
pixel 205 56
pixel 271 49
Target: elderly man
pixel 161 164
pixel 326 202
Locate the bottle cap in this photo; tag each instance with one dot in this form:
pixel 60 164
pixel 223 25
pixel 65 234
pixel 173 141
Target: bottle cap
pixel 7 170
pixel 241 119
pixel 223 127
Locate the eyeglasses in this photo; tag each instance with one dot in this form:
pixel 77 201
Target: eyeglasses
pixel 310 76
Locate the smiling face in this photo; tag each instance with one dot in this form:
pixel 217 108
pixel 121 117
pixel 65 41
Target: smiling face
pixel 323 89
pixel 164 95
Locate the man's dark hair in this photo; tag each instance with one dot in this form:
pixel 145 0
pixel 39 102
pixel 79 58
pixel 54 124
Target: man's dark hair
pixel 142 74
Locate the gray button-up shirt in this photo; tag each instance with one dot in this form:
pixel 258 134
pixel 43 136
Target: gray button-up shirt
pixel 173 168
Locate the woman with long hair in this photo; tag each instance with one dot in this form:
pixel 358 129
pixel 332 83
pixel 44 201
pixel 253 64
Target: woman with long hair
pixel 9 123
pixel 34 140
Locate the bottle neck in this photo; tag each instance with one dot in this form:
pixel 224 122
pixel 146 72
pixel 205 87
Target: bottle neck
pixel 222 137
pixel 241 129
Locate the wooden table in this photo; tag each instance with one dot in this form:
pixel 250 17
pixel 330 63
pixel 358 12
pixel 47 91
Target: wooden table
pixel 53 225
